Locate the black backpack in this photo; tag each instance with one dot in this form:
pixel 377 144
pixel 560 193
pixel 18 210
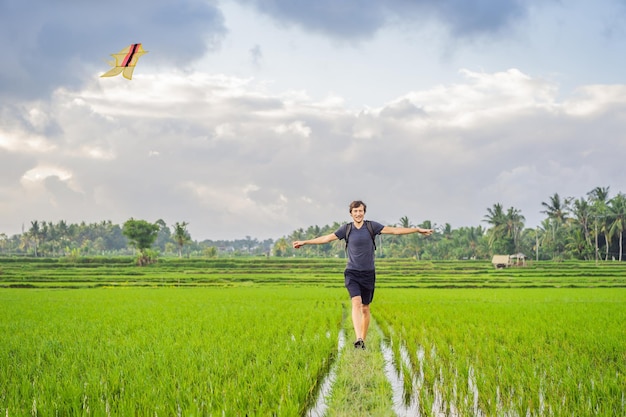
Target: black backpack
pixel 369 228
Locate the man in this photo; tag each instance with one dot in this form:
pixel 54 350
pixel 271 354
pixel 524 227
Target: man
pixel 360 274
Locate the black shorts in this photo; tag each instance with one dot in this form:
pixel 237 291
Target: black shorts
pixel 360 283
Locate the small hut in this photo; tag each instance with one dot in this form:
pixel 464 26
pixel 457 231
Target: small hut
pixel 519 259
pixel 501 261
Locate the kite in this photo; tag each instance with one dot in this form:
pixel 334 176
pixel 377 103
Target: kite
pixel 125 61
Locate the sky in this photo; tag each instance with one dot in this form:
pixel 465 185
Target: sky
pixel 251 118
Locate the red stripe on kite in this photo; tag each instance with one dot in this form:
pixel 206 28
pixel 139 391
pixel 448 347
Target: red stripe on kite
pixel 130 54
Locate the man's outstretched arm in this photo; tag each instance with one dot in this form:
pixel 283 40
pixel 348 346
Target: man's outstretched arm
pixel 317 241
pixel 392 230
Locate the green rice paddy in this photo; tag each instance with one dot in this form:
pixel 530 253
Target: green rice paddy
pixel 256 337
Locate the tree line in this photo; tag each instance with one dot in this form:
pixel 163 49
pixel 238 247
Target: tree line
pixel 63 239
pixel 584 228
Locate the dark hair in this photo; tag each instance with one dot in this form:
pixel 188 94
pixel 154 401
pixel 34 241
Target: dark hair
pixel 358 203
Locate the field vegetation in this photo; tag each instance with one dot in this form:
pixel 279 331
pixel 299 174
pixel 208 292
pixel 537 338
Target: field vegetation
pixel 538 351
pixel 169 351
pixel 257 336
pixel 591 227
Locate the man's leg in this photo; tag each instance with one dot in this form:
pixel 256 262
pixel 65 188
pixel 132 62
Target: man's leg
pixel 367 295
pixel 366 319
pixel 358 317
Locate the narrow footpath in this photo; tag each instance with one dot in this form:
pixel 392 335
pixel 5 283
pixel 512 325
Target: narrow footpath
pixel 360 387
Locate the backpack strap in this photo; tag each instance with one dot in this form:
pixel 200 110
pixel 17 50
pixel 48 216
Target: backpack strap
pixel 370 229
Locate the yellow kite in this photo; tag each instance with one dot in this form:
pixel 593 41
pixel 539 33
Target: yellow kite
pixel 125 61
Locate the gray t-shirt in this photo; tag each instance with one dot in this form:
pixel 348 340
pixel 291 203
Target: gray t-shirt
pixel 360 245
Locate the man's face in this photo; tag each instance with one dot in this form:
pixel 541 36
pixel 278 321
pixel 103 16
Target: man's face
pixel 358 213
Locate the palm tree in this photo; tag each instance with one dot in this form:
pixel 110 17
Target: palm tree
pixel 281 247
pixel 4 241
pixel 63 234
pixel 557 211
pixel 35 234
pixel 496 218
pixel 577 244
pixel 617 206
pixel 582 212
pixel 538 236
pixel 506 228
pixel 599 197
pixel 544 236
pixel 445 243
pixel 468 242
pixel 412 244
pixel 181 236
pixel 599 194
pixel 514 226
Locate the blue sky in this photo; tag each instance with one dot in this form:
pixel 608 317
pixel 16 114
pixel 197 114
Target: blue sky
pixel 256 118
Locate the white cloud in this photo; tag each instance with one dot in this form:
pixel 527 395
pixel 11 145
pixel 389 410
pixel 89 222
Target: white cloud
pixel 24 142
pixel 297 128
pixel 595 99
pixel 40 173
pixel 234 159
pixel 251 119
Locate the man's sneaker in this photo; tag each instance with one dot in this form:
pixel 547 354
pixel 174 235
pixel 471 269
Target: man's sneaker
pixel 359 344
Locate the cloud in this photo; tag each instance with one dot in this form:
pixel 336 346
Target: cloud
pixel 352 19
pixel 296 128
pixel 465 18
pixel 256 55
pixel 233 159
pixel 402 109
pixel 64 43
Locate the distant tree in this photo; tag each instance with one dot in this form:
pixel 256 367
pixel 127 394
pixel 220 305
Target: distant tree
pixel 599 199
pixel 142 236
pixel 582 212
pixel 281 247
pixel 210 252
pixel 558 211
pixel 4 242
pixel 577 244
pixel 164 235
pixel 599 194
pixel 469 242
pixel 505 233
pixel 617 206
pixel 514 226
pixel 35 235
pixel 412 243
pixel 115 238
pixel 496 218
pixel 181 236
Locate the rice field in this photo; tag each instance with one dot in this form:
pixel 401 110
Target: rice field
pixel 258 337
pixel 170 351
pixel 510 352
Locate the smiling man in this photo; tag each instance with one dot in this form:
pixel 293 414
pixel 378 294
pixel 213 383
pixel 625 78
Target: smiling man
pixel 360 273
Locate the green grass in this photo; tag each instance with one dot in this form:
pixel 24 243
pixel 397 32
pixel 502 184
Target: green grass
pixel 361 388
pixel 395 273
pixel 538 351
pixel 165 352
pixel 256 337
